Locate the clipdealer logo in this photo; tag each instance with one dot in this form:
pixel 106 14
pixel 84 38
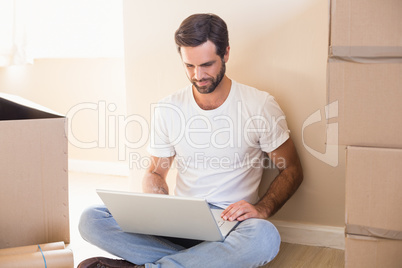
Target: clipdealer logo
pixel 112 131
pixel 112 128
pixel 330 156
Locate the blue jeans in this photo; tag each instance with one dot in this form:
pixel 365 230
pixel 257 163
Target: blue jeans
pixel 253 243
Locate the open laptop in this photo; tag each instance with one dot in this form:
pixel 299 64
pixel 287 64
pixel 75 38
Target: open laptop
pixel 166 215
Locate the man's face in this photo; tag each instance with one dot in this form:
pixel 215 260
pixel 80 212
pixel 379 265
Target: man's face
pixel 204 68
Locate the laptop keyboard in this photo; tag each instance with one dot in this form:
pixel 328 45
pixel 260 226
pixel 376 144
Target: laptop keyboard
pixel 220 223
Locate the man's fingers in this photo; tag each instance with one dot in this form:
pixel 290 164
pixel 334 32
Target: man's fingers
pixel 243 214
pixel 244 217
pixel 227 214
pixel 238 211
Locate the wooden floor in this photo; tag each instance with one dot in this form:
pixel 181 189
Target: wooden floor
pixel 82 194
pixel 298 256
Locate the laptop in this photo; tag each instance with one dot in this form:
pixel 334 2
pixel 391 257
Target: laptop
pixel 166 215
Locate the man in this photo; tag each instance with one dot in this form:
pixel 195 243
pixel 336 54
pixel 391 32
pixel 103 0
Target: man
pixel 218 132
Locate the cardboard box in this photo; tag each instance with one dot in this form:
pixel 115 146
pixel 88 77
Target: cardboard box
pixel 34 256
pixel 367 252
pixel 33 174
pixel 369 104
pixel 373 192
pixel 365 29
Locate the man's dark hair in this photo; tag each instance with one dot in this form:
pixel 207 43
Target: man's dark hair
pixel 199 28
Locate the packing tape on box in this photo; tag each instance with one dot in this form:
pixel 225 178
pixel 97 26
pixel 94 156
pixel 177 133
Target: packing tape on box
pixel 371 231
pixel 366 54
pixel 32 248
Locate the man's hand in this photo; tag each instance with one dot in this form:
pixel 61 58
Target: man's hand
pixel 243 210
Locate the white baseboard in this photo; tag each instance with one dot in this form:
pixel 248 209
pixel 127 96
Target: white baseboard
pixel 99 167
pixel 311 235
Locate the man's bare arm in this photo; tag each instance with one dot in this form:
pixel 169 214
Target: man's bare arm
pixel 286 183
pixel 154 180
pixel 281 189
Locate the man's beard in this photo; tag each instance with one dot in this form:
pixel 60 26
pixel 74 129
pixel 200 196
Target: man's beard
pixel 215 81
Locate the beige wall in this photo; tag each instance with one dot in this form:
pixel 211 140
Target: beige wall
pixel 276 46
pixel 65 85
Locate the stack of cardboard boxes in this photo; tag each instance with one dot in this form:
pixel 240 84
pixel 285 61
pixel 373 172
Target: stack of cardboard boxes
pixel 365 77
pixel 33 175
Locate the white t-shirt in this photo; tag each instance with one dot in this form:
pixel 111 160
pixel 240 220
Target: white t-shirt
pixel 218 153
